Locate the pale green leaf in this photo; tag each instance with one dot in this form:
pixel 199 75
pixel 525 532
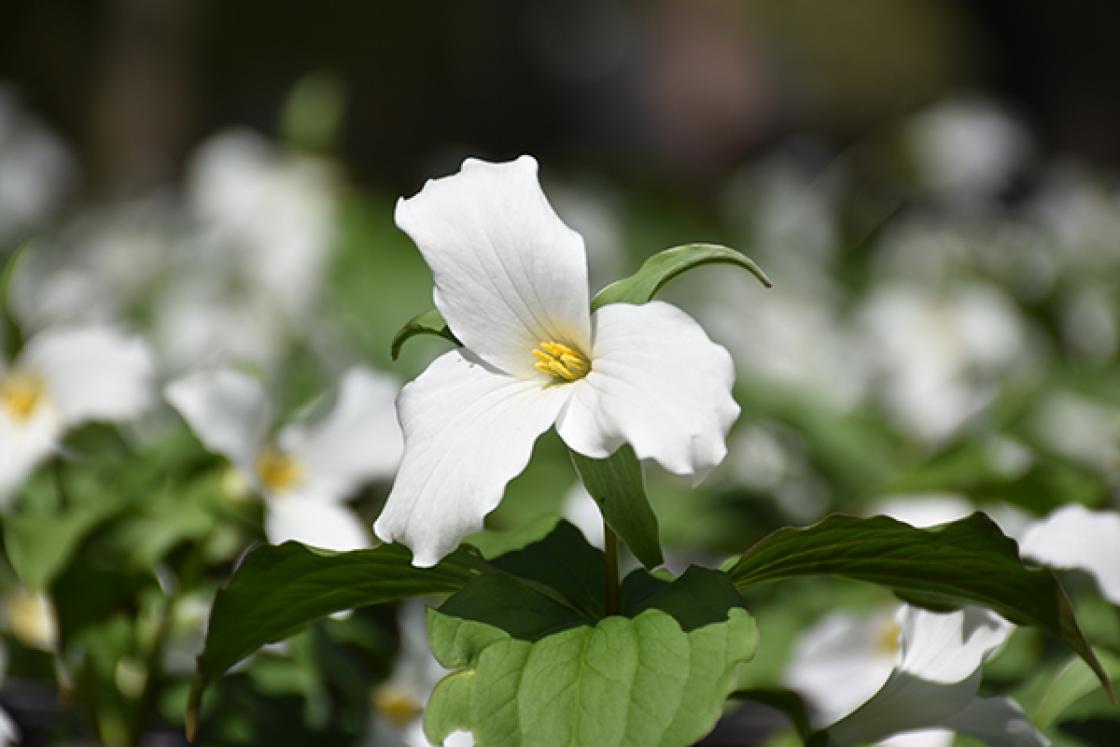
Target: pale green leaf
pixel 429 323
pixel 617 486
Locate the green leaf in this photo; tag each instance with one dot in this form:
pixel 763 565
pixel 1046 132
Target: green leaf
pixel 280 589
pixel 429 323
pixel 11 337
pixel 786 701
pixel 1074 682
pixel 645 680
pixel 616 485
pixel 969 561
pixel 666 265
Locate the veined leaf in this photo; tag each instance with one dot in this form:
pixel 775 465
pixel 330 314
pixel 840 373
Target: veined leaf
pixel 648 680
pixel 1074 682
pixel 666 265
pixel 969 561
pixel 617 486
pixel 280 589
pixel 429 323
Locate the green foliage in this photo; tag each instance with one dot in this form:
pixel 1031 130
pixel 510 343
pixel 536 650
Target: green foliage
pixel 1074 682
pixel 428 323
pixel 662 267
pixel 616 485
pixel 969 561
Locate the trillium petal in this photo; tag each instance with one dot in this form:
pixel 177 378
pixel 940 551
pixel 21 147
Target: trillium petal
pixel 315 523
pixel 1075 537
pixel 658 382
pixel 228 411
pixel 508 273
pixel 998 722
pixel 92 373
pixel 23 445
pixel 468 430
pixel 359 439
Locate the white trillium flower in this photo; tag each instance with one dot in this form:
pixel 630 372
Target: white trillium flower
pixel 65 377
pixel 1075 537
pixel 305 471
pixel 932 689
pixel 511 282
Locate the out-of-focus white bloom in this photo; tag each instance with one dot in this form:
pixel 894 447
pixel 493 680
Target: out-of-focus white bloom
pixel 31 618
pixel 270 212
pixel 581 510
pixel 1089 320
pixel 967 148
pixel 36 170
pixel 398 703
pixel 931 690
pixel 924 510
pixel 305 471
pixel 1075 537
pixel 1080 428
pixel 941 356
pixel 511 281
pixel 65 377
pixel 1081 212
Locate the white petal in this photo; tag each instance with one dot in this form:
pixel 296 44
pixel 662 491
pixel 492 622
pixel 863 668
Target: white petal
pixel 228 411
pixel 924 509
pixel 357 441
pixel 922 738
pixel 468 430
pixel 582 512
pixel 23 445
pixel 1075 537
pixel 949 647
pixel 315 523
pixel 998 722
pixel 658 382
pixel 92 373
pixel 508 273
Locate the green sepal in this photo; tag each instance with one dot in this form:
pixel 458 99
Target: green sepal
pixel 278 590
pixel 617 486
pixel 969 561
pixel 429 323
pixel 662 267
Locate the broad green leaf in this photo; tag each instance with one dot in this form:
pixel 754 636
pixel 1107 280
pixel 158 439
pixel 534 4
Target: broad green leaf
pixel 429 323
pixel 617 486
pixel 662 267
pixel 280 589
pixel 1074 682
pixel 40 544
pixel 969 561
pixel 645 680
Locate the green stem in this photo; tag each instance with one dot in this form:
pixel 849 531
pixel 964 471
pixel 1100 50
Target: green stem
pixel 610 557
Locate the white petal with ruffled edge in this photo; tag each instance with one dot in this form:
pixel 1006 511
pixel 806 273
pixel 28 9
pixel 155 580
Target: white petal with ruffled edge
pixel 358 440
pixel 92 373
pixel 508 273
pixel 658 382
pixel 228 411
pixel 315 523
pixel 468 430
pixel 1075 537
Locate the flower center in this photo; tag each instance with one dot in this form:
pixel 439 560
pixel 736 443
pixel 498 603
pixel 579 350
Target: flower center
pixel 278 471
pixel 21 393
pixel 560 361
pixel 396 704
pixel 887 638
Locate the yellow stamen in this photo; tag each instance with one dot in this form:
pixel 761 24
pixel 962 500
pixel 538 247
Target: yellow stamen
pixel 887 639
pixel 21 393
pixel 278 471
pixel 396 704
pixel 561 361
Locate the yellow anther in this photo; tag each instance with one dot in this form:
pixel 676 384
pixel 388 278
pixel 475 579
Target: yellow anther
pixel 561 361
pixel 278 471
pixel 396 704
pixel 21 393
pixel 887 638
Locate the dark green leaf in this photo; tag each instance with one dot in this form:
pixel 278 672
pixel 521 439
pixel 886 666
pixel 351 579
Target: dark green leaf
pixel 966 562
pixel 666 265
pixel 280 589
pixel 429 323
pixel 786 701
pixel 617 486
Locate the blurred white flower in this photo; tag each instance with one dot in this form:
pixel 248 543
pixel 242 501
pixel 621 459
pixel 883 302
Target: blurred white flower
pixel 967 149
pixel 398 703
pixel 941 356
pixel 931 689
pixel 511 281
pixel 65 377
pixel 1073 537
pixel 1080 428
pixel 305 471
pixel 36 170
pixel 1081 213
pixel 31 618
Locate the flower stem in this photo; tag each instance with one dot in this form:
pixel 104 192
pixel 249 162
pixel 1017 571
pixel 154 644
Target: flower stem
pixel 610 557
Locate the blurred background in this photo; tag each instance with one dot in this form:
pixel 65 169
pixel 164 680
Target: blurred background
pixel 931 185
